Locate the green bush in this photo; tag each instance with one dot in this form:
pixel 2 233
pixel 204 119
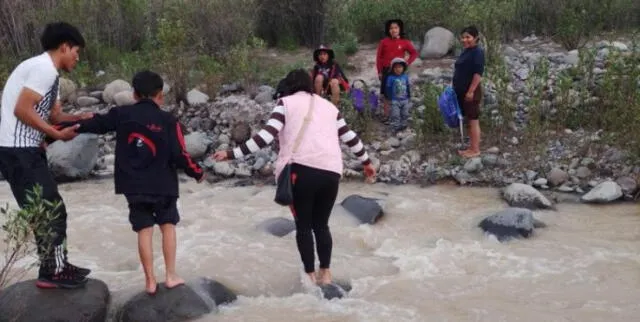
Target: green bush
pixel 18 229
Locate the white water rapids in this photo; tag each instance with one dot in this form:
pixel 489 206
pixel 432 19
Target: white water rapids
pixel 424 261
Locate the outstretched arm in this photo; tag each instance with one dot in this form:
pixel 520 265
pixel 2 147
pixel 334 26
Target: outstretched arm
pixel 99 123
pixel 58 116
pixel 351 139
pixel 179 154
pixel 266 135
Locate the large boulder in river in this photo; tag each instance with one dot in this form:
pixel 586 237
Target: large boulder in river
pixel 25 302
pixel 525 196
pixel 182 303
pixel 511 223
pixel 74 159
pixel 278 226
pixel 366 210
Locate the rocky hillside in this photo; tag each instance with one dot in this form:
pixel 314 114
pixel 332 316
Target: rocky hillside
pixel 571 161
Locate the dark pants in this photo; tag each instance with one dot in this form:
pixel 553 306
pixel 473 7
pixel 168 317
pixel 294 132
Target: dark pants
pixel 314 193
pixel 24 168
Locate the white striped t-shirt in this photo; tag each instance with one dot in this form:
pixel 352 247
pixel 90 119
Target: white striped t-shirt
pixel 40 75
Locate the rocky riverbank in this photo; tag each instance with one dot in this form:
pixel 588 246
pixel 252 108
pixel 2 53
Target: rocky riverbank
pixel 575 161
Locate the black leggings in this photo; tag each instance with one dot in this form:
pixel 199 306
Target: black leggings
pixel 24 168
pixel 314 193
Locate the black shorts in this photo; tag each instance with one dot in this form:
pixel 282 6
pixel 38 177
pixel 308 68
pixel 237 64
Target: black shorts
pixel 147 210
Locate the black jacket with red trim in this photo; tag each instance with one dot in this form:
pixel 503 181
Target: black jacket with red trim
pixel 149 148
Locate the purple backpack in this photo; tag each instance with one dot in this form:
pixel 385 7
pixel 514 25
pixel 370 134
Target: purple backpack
pixel 358 96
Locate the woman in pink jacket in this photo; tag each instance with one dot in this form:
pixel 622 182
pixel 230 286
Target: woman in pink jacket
pixel 316 166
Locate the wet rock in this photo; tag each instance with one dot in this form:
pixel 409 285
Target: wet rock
pixel 604 192
pixel 74 159
pixel 182 303
pixel 525 196
pixel 335 290
pixel 511 223
pixel 278 226
pixel 366 210
pixel 23 301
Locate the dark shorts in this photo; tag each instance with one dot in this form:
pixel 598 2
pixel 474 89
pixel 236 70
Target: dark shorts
pixel 148 210
pixel 383 81
pixel 470 110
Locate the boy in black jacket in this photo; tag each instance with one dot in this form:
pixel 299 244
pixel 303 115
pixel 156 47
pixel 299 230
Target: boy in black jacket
pixel 149 149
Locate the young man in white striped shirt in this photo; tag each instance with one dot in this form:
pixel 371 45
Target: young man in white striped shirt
pixel 30 104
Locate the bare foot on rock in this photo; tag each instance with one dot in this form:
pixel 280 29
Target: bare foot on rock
pixel 173 281
pixel 151 287
pixel 325 276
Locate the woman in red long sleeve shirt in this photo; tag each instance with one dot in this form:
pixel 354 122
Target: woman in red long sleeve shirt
pixel 392 46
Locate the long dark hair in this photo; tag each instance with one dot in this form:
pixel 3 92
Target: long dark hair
pixel 297 80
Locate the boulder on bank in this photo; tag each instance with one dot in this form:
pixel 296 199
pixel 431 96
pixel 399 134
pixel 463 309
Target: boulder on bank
pixel 511 223
pixel 438 42
pixel 182 303
pixel 278 226
pixel 604 192
pixel 25 302
pixel 525 196
pixel 74 159
pixel 366 210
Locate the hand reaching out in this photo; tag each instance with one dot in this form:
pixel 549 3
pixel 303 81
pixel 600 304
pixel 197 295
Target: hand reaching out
pixel 370 173
pixel 220 156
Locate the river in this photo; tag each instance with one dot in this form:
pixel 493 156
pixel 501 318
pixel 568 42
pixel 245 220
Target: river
pixel 424 261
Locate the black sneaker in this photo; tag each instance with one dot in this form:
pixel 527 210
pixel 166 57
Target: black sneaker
pixel 65 279
pixel 81 271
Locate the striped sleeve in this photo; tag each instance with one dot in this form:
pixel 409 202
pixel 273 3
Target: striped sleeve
pixel 263 138
pixel 351 139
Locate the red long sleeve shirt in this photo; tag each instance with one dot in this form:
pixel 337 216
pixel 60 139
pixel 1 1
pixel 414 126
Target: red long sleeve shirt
pixel 389 48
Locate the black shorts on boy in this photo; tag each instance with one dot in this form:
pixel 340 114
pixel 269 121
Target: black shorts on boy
pixel 148 210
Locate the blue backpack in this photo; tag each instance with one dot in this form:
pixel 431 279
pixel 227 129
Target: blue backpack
pixel 449 108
